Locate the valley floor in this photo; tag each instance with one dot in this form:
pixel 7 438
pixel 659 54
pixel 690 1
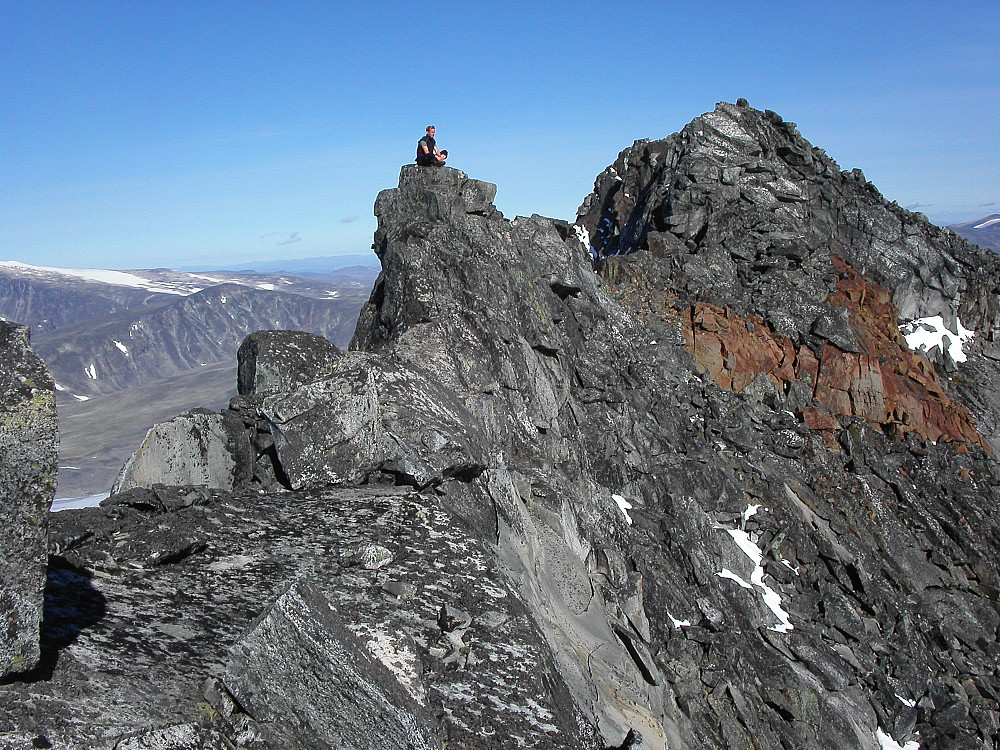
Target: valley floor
pixel 97 436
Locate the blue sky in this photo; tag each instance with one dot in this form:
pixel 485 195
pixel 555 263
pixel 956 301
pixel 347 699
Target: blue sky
pixel 141 134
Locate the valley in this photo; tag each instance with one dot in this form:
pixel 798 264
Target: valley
pixel 131 348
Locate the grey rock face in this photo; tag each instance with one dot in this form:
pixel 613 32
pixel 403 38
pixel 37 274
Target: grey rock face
pixel 321 687
pixel 198 448
pixel 373 420
pixel 707 622
pixel 28 441
pixel 745 186
pixel 278 361
pixel 745 214
pixel 161 590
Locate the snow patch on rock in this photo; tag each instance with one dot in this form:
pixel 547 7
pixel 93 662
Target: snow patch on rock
pixel 924 334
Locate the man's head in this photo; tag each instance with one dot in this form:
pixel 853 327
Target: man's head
pixel 431 130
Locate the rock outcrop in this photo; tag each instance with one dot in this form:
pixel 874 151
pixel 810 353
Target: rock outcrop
pixel 746 216
pixel 665 478
pixel 28 442
pixel 279 361
pixel 201 448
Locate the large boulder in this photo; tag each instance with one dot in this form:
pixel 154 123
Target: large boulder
pixel 373 420
pixel 278 361
pixel 29 441
pixel 200 447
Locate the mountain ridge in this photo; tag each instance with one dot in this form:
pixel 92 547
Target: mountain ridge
pixel 984 232
pixel 696 483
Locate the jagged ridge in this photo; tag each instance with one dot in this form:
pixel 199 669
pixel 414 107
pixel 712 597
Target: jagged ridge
pixel 705 568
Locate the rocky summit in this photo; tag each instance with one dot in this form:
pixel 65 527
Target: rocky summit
pixel 670 476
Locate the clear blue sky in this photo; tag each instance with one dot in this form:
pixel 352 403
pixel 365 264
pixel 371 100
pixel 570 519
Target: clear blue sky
pixel 143 133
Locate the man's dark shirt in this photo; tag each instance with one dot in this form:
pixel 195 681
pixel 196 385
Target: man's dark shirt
pixel 427 159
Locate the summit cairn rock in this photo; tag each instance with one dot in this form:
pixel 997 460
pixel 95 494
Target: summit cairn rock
pixel 29 440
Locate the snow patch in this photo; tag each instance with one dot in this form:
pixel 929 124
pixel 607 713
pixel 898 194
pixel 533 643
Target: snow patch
pixel 59 387
pixel 624 506
pixel 80 398
pixel 207 278
pixel 749 512
pixel 268 287
pixel 72 503
pixel 678 623
pixel 118 278
pixel 91 371
pixel 924 334
pixel 772 599
pixel 987 223
pixel 888 743
pixel 121 347
pixel 582 234
pixel 726 573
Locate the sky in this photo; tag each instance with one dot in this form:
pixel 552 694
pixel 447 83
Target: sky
pixel 139 134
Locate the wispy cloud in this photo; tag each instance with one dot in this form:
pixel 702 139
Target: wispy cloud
pixel 987 205
pixel 285 238
pixel 918 206
pixel 349 219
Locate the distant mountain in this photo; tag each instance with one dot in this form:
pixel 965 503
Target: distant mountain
pixel 984 232
pixel 143 344
pixel 101 331
pixel 47 298
pixel 324 265
pixel 104 332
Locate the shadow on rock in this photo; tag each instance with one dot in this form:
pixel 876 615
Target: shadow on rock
pixel 72 604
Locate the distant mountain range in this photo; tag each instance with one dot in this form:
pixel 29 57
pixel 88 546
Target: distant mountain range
pixel 984 232
pixel 324 265
pixel 102 332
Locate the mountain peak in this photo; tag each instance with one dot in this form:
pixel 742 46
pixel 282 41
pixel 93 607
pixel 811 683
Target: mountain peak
pixel 677 458
pixel 984 232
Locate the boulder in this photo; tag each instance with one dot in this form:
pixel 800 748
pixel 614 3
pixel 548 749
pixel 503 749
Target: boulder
pixel 278 361
pixel 199 447
pixel 29 441
pixel 436 194
pixel 375 419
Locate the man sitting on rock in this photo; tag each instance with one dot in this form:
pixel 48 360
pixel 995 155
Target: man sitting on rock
pixel 427 152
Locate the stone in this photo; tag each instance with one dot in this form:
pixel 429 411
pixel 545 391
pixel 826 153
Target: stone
pixel 278 361
pixel 29 439
pixel 373 418
pixel 320 687
pixel 200 448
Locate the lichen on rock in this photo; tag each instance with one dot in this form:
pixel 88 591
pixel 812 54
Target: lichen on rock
pixel 28 443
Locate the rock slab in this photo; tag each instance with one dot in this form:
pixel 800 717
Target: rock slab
pixel 28 446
